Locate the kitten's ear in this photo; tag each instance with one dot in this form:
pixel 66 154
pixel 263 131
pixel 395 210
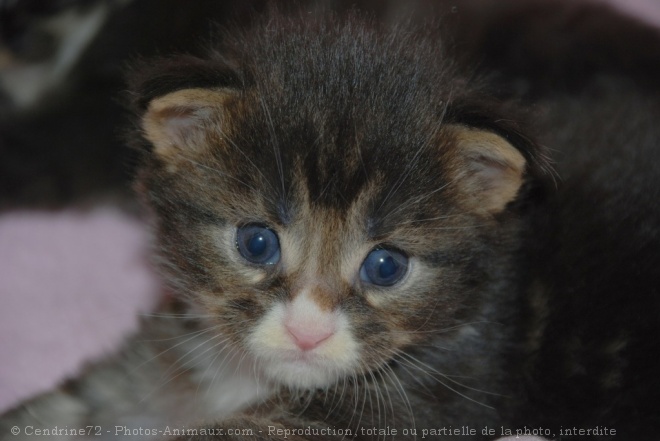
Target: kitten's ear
pixel 490 171
pixel 186 120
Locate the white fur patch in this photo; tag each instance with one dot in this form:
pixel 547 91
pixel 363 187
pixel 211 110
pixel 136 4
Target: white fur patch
pixel 231 383
pixel 282 360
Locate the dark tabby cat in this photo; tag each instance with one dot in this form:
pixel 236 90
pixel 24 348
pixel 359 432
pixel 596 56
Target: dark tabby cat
pixel 366 242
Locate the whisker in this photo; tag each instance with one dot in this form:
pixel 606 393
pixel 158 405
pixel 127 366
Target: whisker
pixel 414 201
pixel 276 149
pixel 432 370
pixel 428 219
pixel 402 393
pixel 377 393
pixel 221 173
pixel 411 165
pixel 164 383
pixel 195 334
pixel 176 365
pixel 175 316
pixel 247 158
pixel 220 367
pixel 199 384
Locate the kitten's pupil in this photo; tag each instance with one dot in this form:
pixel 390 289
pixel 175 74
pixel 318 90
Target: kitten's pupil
pixel 258 244
pixel 388 267
pixel 384 267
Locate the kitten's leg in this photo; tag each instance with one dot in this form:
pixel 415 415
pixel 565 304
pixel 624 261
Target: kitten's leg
pixel 172 373
pixel 113 392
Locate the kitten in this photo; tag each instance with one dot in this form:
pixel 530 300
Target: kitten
pixel 365 242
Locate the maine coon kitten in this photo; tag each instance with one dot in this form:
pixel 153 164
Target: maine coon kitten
pixel 360 234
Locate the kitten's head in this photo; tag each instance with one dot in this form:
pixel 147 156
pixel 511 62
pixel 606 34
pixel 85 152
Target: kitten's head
pixel 329 193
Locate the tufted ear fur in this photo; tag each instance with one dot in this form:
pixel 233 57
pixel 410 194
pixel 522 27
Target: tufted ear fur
pixel 488 169
pixel 186 120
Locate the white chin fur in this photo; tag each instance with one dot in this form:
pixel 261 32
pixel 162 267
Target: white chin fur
pixel 297 375
pixel 284 363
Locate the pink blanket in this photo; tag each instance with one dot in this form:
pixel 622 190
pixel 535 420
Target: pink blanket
pixel 72 285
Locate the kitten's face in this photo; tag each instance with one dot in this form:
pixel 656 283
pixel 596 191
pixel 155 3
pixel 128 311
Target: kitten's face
pixel 318 255
pixel 326 233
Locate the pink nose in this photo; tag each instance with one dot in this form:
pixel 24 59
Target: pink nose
pixel 309 337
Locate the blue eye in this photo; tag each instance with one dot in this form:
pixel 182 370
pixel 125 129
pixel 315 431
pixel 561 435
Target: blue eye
pixel 258 244
pixel 384 267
